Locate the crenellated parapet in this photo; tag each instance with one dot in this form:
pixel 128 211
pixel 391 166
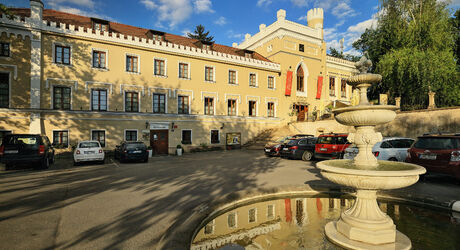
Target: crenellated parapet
pixel 315 18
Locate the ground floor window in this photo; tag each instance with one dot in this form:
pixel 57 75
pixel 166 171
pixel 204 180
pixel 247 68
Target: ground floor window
pixel 98 135
pixel 186 136
pixel 4 90
pixel 215 139
pixel 131 135
pixel 61 138
pixel 3 133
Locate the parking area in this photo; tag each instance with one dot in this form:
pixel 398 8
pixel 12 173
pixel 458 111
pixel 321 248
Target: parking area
pixel 132 205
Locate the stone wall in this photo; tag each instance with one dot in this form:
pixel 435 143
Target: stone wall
pixel 407 124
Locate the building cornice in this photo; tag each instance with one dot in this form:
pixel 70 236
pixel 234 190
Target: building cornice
pixel 341 64
pixel 27 24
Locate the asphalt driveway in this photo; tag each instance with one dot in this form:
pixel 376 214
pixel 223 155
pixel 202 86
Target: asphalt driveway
pixel 131 206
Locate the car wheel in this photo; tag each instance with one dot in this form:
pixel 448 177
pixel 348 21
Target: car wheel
pixel 393 159
pixel 307 155
pixel 45 164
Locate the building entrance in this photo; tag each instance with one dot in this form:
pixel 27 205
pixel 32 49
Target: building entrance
pixel 301 112
pixel 159 141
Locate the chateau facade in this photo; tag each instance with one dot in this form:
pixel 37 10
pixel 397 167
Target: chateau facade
pixel 79 78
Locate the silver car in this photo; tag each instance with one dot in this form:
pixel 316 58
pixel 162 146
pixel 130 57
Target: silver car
pixel 389 149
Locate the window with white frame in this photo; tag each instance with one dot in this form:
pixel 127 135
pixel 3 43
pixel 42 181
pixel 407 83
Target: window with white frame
pixel 209 228
pixel 159 67
pixel 186 136
pixel 4 90
pixel 252 215
pixel 271 82
pixel 271 109
pixel 99 99
pixel 132 63
pixel 183 104
pixel 252 108
pixel 215 138
pixel 131 101
pixel 62 54
pixel 232 220
pixel 270 211
pixel 343 88
pixel 99 59
pixel 332 86
pixel 61 138
pixel 209 74
pixel 231 107
pixel 209 106
pixel 159 103
pixel 130 135
pixel 61 98
pixel 184 70
pixel 98 135
pixel 232 77
pixel 252 80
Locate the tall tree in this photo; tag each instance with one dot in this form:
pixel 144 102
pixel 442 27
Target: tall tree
pixel 200 34
pixel 412 47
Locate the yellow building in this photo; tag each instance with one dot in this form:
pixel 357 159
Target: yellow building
pixel 77 78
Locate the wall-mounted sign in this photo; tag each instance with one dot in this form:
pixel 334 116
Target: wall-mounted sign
pixel 157 126
pixel 233 140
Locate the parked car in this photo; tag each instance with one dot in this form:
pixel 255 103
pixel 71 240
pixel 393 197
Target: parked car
pixel 273 148
pixel 438 153
pixel 131 151
pixel 331 146
pixel 303 148
pixel 87 151
pixel 20 149
pixel 389 149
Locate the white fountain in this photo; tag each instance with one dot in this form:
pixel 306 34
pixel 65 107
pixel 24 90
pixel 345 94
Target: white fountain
pixel 364 225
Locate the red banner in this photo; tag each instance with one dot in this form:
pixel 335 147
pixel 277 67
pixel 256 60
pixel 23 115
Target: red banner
pixel 320 86
pixel 287 209
pixel 288 83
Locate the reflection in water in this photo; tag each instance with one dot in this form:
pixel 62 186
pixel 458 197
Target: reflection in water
pixel 298 223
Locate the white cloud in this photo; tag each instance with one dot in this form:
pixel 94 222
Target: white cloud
pixel 302 18
pixel 261 3
pixel 185 32
pixel 171 12
pixel 83 3
pixel 362 26
pixel 330 33
pixel 149 4
pixel 221 21
pixel 233 35
pixel 300 3
pixel 203 6
pixel 342 10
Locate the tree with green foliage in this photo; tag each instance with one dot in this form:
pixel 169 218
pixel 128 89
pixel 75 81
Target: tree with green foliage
pixel 412 48
pixel 335 53
pixel 5 11
pixel 200 34
pixel 455 21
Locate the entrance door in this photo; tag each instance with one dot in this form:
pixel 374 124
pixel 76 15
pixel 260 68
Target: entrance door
pixel 159 141
pixel 301 112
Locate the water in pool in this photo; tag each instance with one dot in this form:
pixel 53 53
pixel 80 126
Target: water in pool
pixel 298 223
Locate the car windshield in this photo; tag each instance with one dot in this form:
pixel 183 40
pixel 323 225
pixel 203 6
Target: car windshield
pixel 131 146
pixel 436 143
pixel 22 140
pixel 325 140
pixel 89 144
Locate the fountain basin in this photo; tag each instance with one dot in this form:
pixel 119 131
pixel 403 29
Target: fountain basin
pixel 367 78
pixel 387 175
pixel 365 115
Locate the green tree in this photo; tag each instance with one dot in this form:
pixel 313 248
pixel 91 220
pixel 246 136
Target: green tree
pixel 5 11
pixel 455 21
pixel 335 53
pixel 200 34
pixel 412 47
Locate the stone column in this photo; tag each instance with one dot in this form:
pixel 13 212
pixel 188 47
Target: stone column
pixel 431 103
pixel 383 99
pixel 398 102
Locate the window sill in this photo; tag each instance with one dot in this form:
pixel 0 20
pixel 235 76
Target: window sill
pixel 233 84
pixel 63 65
pixel 272 89
pixel 160 76
pixel 209 81
pixel 133 73
pixel 100 69
pixel 255 87
pixel 182 78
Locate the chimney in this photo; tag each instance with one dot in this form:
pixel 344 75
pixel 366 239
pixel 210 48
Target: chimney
pixel 36 10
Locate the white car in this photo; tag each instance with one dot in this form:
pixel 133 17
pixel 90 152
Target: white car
pixel 88 151
pixel 389 149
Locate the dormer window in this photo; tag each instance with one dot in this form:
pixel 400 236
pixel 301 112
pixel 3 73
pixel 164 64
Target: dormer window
pixel 100 25
pixel 206 47
pixel 155 35
pixel 248 53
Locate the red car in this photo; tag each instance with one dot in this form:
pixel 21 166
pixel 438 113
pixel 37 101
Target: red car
pixel 331 146
pixel 438 153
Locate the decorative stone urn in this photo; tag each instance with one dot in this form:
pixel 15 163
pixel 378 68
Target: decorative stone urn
pixel 364 225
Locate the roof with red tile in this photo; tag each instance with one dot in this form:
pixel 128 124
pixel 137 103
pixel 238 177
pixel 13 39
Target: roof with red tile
pixel 86 22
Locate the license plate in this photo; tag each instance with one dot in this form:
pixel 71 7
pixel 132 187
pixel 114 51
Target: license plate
pixel 137 151
pixel 427 157
pixel 267 150
pixel 285 149
pixel 11 151
pixel 89 152
pixel 323 149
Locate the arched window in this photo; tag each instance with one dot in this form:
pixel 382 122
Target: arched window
pixel 300 86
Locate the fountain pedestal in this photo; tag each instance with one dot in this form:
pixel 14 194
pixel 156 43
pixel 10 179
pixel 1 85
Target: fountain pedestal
pixel 364 225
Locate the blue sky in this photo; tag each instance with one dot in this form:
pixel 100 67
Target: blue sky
pixel 227 20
